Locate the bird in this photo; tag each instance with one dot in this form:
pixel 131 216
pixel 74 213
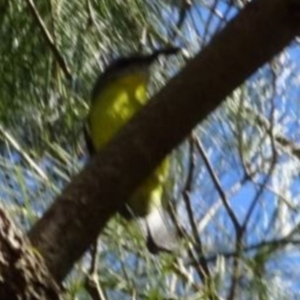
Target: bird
pixel 117 95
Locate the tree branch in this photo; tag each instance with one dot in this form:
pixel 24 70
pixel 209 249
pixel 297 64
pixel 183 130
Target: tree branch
pixel 73 222
pixel 22 271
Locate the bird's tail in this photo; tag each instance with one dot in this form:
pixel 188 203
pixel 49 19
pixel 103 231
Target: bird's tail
pixel 160 237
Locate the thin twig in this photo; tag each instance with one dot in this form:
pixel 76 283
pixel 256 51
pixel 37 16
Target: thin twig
pixel 185 275
pixel 92 284
pixel 280 139
pixel 224 19
pixel 274 243
pixel 184 8
pixel 229 210
pixel 217 184
pixel 209 21
pixel 49 39
pixel 186 197
pixel 197 261
pixel 25 156
pixel 240 233
pixel 202 266
pixel 274 156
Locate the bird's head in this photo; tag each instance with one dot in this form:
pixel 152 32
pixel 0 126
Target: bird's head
pixel 137 63
pixel 131 65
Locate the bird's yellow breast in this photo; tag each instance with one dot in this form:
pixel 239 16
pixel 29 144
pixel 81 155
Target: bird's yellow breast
pixel 112 108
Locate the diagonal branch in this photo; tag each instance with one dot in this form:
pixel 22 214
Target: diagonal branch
pixel 74 220
pixel 217 184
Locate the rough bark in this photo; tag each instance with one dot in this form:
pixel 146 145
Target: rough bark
pixel 77 216
pixel 23 274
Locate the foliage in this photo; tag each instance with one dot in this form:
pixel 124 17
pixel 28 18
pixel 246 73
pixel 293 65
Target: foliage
pixel 236 203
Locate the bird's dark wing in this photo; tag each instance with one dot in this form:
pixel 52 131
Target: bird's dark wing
pixel 88 141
